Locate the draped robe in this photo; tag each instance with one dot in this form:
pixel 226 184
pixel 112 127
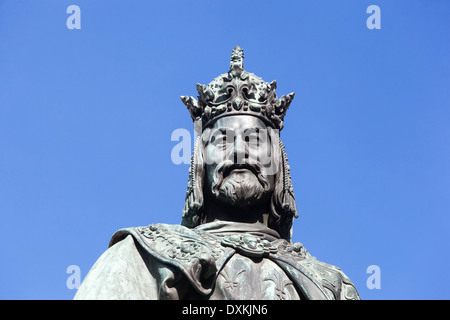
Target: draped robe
pixel 217 260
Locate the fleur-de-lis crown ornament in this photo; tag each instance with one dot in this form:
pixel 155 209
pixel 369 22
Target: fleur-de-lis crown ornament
pixel 238 92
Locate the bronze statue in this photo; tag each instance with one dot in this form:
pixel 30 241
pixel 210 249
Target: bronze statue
pixel 234 238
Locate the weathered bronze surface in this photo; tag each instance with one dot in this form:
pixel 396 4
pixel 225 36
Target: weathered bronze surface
pixel 234 241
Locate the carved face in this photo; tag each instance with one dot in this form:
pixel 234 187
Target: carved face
pixel 238 155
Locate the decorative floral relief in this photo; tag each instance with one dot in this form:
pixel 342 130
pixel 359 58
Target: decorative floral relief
pixel 280 286
pixel 295 250
pixel 181 247
pixel 175 246
pixel 249 245
pixel 231 281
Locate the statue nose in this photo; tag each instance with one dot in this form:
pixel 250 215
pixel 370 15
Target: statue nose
pixel 239 151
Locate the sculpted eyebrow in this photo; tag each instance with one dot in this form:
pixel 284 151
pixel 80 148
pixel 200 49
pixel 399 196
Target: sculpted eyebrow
pixel 252 130
pixel 222 130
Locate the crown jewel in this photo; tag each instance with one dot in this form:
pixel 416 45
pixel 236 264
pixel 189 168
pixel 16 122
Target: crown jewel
pixel 238 92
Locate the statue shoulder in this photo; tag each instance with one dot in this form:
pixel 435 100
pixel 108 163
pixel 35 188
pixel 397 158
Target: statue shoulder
pixel 335 280
pixel 174 242
pixel 330 279
pixel 152 232
pixel 197 254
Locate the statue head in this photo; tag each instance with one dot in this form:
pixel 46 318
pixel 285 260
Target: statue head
pixel 238 167
pixel 239 161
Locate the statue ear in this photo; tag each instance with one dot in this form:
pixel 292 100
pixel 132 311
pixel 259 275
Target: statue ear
pixel 193 205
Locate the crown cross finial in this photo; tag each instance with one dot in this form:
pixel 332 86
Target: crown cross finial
pixel 237 60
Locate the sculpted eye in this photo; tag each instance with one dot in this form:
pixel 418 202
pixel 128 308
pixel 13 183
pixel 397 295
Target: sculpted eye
pixel 252 136
pixel 218 140
pixel 252 140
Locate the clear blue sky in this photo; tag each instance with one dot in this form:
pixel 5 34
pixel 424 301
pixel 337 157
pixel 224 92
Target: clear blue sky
pixel 86 118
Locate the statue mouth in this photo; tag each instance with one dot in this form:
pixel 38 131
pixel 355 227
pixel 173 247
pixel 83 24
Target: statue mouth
pixel 239 168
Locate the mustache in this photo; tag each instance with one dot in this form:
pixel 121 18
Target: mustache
pixel 226 167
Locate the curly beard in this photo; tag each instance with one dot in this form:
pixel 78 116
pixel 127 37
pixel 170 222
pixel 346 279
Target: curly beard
pixel 239 185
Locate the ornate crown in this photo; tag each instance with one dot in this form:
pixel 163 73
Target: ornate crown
pixel 238 92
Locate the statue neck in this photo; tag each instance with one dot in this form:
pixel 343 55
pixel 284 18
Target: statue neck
pixel 215 210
